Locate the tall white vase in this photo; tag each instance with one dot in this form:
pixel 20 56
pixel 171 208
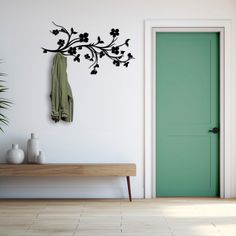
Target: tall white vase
pixel 32 149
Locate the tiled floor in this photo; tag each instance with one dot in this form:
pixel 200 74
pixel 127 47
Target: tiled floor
pixel 159 217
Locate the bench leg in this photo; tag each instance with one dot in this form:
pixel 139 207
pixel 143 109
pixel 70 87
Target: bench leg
pixel 129 188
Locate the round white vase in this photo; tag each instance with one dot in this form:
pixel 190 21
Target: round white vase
pixel 15 155
pixel 32 149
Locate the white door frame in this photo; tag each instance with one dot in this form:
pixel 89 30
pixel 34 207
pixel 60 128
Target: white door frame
pixel 224 29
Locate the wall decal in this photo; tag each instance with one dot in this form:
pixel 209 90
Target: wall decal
pixel 75 42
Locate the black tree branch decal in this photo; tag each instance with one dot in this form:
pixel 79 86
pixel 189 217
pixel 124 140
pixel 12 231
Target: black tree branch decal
pixel 72 46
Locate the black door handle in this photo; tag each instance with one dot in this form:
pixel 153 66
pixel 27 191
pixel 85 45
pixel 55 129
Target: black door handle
pixel 214 130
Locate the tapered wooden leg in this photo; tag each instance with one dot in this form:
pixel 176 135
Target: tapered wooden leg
pixel 129 188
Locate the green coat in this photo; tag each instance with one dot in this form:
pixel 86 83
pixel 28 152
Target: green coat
pixel 61 95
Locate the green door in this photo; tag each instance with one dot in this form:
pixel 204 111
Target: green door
pixel 187 106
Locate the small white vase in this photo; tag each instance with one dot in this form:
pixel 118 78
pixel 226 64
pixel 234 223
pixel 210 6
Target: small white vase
pixel 40 158
pixel 15 155
pixel 32 149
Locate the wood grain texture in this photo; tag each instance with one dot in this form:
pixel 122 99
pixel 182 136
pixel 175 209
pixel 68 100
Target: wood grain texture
pixel 68 170
pixel 144 217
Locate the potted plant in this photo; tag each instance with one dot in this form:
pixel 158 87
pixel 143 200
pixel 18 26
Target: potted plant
pixel 4 103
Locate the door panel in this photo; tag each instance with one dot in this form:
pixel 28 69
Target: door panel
pixel 187 105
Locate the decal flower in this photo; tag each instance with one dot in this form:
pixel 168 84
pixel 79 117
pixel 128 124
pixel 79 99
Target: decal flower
pixel 94 72
pixel 117 63
pixel 115 50
pixel 55 32
pixel 72 50
pixel 61 42
pixel 101 54
pixel 78 42
pixel 130 56
pixel 114 32
pixel 86 56
pixel 84 37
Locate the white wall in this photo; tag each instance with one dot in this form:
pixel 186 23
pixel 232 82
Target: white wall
pixel 108 108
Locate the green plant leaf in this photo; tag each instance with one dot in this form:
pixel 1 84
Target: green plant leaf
pixel 4 103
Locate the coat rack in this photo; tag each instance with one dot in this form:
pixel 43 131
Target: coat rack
pixel 75 42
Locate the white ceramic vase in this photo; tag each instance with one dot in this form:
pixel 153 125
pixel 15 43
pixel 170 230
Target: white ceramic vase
pixel 40 158
pixel 15 155
pixel 32 149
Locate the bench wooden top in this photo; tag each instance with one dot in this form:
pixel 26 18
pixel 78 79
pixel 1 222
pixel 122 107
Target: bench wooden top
pixel 82 169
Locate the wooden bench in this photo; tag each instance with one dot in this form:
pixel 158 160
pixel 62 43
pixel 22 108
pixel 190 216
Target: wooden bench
pixel 71 170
